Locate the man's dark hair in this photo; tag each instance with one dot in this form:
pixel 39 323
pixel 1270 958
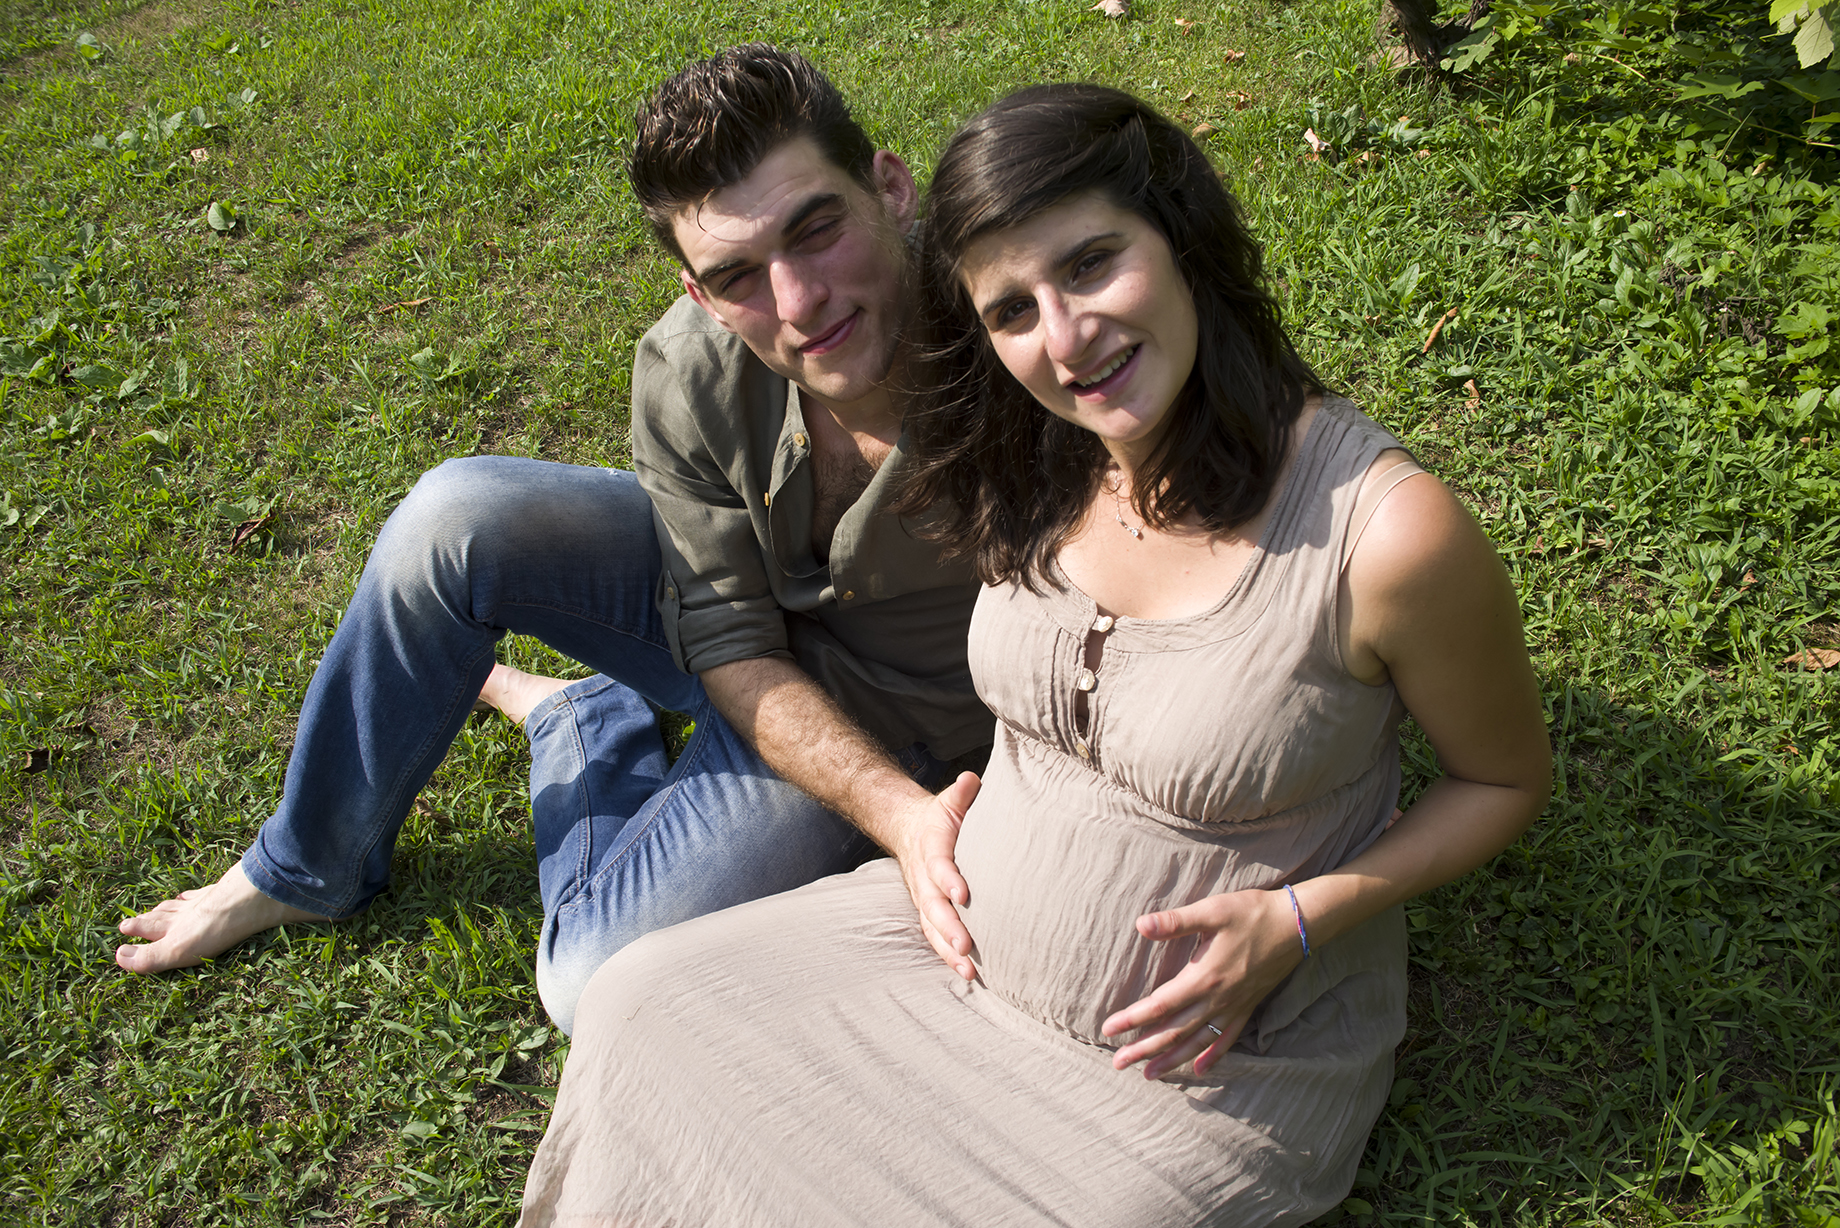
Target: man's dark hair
pixel 1012 479
pixel 709 126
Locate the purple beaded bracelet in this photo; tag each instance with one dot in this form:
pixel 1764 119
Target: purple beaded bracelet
pixel 1301 936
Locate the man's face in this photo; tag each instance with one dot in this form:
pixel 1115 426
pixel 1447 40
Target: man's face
pixel 806 267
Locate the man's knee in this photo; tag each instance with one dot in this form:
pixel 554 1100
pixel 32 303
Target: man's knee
pixel 467 516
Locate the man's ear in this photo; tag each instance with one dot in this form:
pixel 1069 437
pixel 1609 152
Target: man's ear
pixel 695 291
pixel 894 183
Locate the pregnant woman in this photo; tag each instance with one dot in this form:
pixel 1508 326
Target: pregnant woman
pixel 1212 593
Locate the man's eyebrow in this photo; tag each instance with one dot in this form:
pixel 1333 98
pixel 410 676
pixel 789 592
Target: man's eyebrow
pixel 810 207
pixel 1060 262
pixel 798 219
pixel 708 275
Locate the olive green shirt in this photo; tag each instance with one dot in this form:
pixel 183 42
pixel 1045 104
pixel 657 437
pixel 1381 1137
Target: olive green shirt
pixel 720 445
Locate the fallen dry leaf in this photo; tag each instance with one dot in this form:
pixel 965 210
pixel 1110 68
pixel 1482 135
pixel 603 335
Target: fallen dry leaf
pixel 1232 56
pixel 1317 144
pixel 38 759
pixel 408 302
pixel 1572 57
pixel 1186 97
pixel 1188 27
pixel 1437 328
pixel 1240 101
pixel 1750 578
pixel 1600 543
pixel 1424 153
pixel 247 530
pixel 1814 660
pixel 1474 399
pixel 1113 8
pixel 1203 131
pixel 1365 157
pixel 200 155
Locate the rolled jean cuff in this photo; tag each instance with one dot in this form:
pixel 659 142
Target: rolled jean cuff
pixel 263 878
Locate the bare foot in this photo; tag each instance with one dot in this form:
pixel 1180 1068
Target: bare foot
pixel 202 923
pixel 515 693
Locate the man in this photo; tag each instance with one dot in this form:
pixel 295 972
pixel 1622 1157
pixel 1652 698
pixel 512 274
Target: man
pixel 749 575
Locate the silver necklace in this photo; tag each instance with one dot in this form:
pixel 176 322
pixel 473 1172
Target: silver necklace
pixel 1118 510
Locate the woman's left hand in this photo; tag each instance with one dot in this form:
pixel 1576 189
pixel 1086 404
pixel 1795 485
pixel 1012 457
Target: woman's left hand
pixel 1248 943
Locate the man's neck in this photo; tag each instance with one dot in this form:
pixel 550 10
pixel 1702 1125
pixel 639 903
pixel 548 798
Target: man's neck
pixel 876 416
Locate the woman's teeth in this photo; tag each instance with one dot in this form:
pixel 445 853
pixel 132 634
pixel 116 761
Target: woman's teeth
pixel 1117 362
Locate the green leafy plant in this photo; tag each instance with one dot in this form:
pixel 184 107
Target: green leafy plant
pixel 1807 20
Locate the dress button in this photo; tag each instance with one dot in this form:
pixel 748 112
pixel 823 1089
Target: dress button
pixel 766 500
pixel 669 591
pixel 1087 680
pixel 849 594
pixel 798 440
pixel 1082 750
pixel 1103 623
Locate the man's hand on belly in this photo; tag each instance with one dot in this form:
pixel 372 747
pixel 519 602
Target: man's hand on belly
pixel 927 864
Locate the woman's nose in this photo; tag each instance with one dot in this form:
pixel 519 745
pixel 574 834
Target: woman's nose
pixel 1065 329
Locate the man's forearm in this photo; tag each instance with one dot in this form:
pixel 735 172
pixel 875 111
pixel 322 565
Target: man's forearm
pixel 811 742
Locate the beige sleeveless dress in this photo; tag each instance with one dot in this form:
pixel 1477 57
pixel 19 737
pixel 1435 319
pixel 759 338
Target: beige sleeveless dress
pixel 807 1060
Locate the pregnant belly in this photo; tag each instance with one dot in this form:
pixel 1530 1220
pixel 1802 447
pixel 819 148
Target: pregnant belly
pixel 1056 890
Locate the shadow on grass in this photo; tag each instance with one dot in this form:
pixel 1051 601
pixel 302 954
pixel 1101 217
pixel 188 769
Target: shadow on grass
pixel 1651 963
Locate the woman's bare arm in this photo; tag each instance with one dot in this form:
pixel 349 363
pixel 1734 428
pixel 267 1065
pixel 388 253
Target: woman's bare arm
pixel 1429 605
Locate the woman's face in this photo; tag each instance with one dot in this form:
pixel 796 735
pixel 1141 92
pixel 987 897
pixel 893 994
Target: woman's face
pixel 1086 308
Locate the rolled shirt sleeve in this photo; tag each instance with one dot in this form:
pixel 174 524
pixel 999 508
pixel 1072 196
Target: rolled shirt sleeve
pixel 715 593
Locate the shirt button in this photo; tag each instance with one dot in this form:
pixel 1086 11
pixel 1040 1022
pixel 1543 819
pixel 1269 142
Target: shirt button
pixel 669 591
pixel 849 594
pixel 798 440
pixel 1082 750
pixel 1087 680
pixel 1103 623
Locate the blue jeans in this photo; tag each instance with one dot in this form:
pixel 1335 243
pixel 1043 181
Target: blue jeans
pixel 625 844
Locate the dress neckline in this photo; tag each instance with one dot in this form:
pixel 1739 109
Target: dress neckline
pixel 1078 611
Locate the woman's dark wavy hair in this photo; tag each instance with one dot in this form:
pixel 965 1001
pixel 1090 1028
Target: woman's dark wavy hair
pixel 1011 478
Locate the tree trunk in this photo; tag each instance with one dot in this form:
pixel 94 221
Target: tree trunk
pixel 1408 32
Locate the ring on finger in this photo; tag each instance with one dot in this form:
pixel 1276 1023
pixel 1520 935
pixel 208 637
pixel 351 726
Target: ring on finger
pixel 1218 1034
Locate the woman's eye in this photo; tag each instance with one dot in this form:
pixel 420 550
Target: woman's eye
pixel 1013 310
pixel 1090 263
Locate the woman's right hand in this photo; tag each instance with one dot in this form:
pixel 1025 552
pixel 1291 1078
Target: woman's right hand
pixel 933 880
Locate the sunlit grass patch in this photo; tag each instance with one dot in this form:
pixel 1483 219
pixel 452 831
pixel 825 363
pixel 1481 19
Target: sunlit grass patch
pixel 1628 1018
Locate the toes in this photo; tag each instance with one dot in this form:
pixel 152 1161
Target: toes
pixel 149 925
pixel 151 957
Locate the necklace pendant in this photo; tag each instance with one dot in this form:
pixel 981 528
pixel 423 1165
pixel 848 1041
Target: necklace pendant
pixel 1134 531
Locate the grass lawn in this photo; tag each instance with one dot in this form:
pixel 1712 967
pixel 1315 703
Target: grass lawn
pixel 423 247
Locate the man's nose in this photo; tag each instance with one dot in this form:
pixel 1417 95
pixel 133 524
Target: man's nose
pixel 797 291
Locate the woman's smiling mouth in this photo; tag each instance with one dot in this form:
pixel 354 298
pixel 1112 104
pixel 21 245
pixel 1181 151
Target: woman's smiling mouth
pixel 1110 369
